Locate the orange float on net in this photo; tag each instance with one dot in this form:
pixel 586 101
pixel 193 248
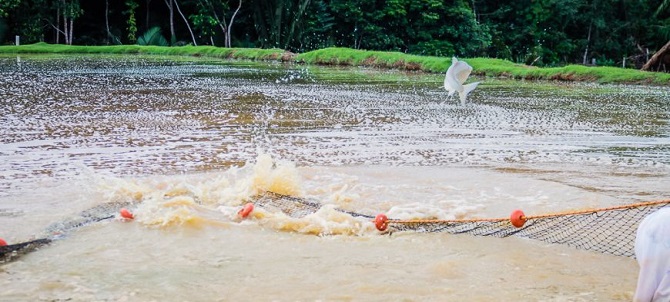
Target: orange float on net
pixel 126 214
pixel 246 210
pixel 518 218
pixel 381 222
pixel 3 242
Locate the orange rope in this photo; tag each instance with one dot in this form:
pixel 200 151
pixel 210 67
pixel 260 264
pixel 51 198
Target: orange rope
pixel 579 212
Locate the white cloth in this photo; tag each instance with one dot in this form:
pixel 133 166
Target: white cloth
pixel 652 249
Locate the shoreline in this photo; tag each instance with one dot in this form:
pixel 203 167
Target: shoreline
pixel 485 67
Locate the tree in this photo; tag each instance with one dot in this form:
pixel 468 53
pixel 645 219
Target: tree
pixel 230 24
pixel 28 19
pixel 69 10
pixel 428 27
pixel 317 28
pixel 277 21
pixel 439 29
pixel 662 7
pixel 537 32
pixel 109 33
pixel 132 21
pixel 170 5
pixel 215 10
pixel 664 19
pixel 533 31
pixel 176 3
pixel 7 5
pixel 148 10
pixel 204 23
pixel 354 21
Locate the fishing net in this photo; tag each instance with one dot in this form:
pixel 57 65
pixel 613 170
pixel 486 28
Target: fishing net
pixel 294 206
pixel 12 252
pixel 61 229
pixel 607 230
pixel 97 213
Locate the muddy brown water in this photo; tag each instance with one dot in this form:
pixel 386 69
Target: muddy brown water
pixel 188 140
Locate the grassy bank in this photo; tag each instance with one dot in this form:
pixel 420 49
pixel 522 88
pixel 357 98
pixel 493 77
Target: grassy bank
pixel 379 59
pixel 482 66
pixel 204 51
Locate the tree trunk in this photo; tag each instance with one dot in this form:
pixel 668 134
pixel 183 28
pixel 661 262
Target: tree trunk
pixel 71 26
pixel 109 34
pixel 276 27
pixel 230 25
pixel 220 21
pixel 57 25
pixel 186 21
pixel 296 19
pixel 657 59
pixel 474 10
pixel 173 36
pixel 260 17
pixel 588 41
pixel 358 41
pixel 65 31
pixel 170 5
pixel 146 21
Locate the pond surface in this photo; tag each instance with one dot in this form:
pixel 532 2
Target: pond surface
pixel 190 139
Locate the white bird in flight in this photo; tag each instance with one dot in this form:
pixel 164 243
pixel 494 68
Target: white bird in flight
pixel 458 72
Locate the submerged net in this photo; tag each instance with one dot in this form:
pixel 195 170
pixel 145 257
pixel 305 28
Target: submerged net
pixel 61 229
pixel 606 230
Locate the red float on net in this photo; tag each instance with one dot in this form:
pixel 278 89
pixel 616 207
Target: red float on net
pixel 518 218
pixel 126 214
pixel 246 210
pixel 381 222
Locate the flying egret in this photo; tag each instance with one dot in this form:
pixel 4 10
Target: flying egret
pixel 458 72
pixel 652 250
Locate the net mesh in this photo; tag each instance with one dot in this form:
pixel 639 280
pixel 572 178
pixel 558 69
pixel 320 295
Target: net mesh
pixel 60 229
pixel 607 230
pixel 97 213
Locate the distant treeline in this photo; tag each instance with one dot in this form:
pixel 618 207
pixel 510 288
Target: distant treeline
pixel 533 32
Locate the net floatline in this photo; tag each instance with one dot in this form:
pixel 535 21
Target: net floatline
pixel 607 230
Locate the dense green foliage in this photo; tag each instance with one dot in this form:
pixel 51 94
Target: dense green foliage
pixel 533 32
pixel 153 37
pixel 353 57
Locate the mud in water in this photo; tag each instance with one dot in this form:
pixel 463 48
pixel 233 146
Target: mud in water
pixel 187 142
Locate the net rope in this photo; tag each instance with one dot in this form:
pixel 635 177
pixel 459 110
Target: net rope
pixel 609 230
